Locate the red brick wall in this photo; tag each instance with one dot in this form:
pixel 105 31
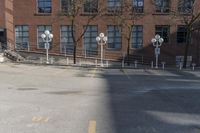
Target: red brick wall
pixel 25 13
pixel 2 17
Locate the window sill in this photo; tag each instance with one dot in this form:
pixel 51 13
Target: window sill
pixel 42 14
pixel 161 13
pixel 137 14
pixel 185 14
pixel 113 49
pixel 89 14
pixel 133 49
pixel 181 43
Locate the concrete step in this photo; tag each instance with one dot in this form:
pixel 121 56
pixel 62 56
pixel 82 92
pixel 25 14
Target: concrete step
pixel 2 59
pixel 12 55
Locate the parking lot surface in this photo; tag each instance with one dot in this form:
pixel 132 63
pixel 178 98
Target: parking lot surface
pixel 53 99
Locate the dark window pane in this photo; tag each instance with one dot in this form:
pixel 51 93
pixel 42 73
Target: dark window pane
pixel 44 6
pixel 114 5
pixel 185 6
pixel 91 6
pixel 181 34
pixel 162 6
pixel 41 30
pixel 137 36
pixel 114 37
pixel 66 6
pixel 67 44
pixel 90 43
pixel 164 32
pixel 138 6
pixel 22 37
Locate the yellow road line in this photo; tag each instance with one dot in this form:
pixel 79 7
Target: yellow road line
pixel 92 126
pixel 46 120
pixel 38 119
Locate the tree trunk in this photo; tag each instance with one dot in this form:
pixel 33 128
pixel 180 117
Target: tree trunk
pixel 128 53
pixel 186 48
pixel 197 55
pixel 74 40
pixel 74 54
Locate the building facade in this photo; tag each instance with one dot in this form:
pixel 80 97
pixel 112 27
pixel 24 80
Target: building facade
pixel 23 21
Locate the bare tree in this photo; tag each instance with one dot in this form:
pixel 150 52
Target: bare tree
pixel 73 9
pixel 187 13
pixel 190 16
pixel 125 18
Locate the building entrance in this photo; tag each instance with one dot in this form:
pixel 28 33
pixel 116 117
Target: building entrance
pixel 3 38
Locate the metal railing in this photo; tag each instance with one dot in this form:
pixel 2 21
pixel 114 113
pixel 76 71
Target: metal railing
pixel 64 56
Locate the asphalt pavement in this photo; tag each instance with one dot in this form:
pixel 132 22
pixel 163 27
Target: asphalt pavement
pixel 53 99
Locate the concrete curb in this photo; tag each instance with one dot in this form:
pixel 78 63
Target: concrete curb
pixel 78 66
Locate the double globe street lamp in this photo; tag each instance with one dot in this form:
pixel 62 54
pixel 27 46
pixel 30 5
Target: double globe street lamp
pixel 157 42
pixel 47 38
pixel 101 40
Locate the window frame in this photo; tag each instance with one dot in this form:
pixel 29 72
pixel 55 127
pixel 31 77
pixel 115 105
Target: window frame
pixel 90 11
pixel 182 9
pixel 92 39
pixel 137 36
pixel 168 32
pixel 27 37
pixel 136 9
pixel 114 38
pixel 38 12
pixel 68 38
pixel 51 43
pixel 162 7
pixel 68 7
pixel 114 8
pixel 185 34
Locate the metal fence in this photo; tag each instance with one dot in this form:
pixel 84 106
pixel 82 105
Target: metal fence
pixel 90 57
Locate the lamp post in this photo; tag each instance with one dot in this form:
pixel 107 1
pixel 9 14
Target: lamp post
pixel 101 40
pixel 47 37
pixel 157 42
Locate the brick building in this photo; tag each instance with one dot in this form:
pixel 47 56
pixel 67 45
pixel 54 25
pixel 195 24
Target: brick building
pixel 23 21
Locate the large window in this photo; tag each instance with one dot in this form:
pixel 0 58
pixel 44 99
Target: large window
pixel 181 34
pixel 163 31
pixel 138 6
pixel 114 5
pixel 66 40
pixel 41 30
pixel 22 37
pixel 91 6
pixel 66 5
pixel 162 6
pixel 137 36
pixel 185 6
pixel 44 6
pixel 90 43
pixel 114 37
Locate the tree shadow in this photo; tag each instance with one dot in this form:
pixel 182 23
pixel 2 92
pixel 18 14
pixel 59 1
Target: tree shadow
pixel 170 52
pixel 149 103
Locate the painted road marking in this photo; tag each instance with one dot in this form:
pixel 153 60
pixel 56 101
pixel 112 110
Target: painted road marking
pixel 40 119
pixel 92 126
pixel 125 73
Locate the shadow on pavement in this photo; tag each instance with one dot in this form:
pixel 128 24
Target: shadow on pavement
pixel 154 104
